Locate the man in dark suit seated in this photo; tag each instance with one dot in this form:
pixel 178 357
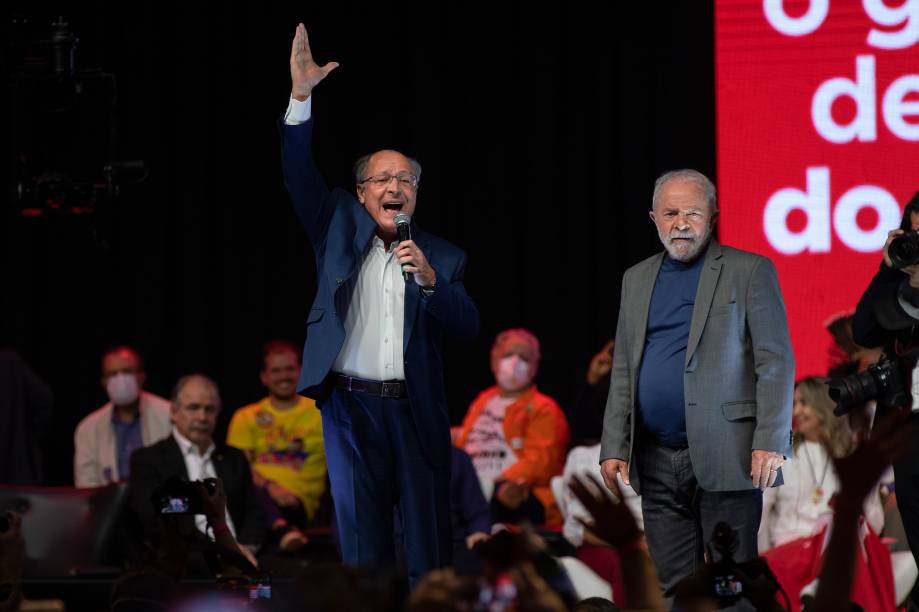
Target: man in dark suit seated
pixel 189 454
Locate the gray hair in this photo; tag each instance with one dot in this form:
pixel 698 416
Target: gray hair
pixel 687 174
pixel 360 166
pixel 180 384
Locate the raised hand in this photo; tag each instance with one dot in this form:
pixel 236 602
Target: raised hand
pixel 889 441
pixel 601 364
pixel 305 73
pixel 612 520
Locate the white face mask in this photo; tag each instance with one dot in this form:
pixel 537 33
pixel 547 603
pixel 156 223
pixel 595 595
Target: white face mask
pixel 122 388
pixel 513 373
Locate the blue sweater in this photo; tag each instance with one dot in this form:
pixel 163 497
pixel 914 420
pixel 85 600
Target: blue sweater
pixel 660 378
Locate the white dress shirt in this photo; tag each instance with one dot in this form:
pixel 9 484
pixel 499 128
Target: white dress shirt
pixel 200 467
pixel 375 321
pixel 298 112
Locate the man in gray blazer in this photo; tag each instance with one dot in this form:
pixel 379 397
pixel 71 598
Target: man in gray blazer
pixel 699 408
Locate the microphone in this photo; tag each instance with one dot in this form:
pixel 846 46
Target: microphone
pixel 405 233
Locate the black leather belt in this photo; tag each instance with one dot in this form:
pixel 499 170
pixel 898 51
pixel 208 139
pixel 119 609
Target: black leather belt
pixel 394 388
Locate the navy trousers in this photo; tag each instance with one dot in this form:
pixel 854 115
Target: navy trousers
pixel 376 465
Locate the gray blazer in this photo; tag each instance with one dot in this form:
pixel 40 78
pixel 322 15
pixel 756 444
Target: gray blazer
pixel 738 384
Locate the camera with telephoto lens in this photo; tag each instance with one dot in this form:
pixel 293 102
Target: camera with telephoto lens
pixel 177 496
pixel 904 250
pixel 882 381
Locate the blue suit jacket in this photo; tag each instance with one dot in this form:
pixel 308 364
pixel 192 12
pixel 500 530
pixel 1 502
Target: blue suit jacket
pixel 340 231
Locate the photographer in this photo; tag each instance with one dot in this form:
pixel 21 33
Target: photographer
pixel 887 315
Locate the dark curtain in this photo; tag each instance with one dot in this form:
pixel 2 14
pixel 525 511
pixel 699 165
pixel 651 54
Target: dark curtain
pixel 540 131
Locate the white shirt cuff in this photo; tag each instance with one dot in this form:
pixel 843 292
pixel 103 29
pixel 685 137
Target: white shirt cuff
pixel 298 112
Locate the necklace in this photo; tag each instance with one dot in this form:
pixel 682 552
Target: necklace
pixel 817 495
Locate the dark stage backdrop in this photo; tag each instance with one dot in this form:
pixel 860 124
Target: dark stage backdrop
pixel 540 131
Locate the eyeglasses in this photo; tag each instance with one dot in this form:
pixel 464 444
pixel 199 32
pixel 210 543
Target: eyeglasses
pixel 406 181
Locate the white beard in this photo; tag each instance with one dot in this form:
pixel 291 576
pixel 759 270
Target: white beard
pixel 689 251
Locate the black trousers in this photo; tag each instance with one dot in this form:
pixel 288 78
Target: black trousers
pixel 680 516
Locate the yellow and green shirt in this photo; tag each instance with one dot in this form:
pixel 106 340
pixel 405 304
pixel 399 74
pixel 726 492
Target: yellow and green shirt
pixel 286 446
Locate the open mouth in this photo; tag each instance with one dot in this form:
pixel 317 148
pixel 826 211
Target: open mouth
pixel 393 206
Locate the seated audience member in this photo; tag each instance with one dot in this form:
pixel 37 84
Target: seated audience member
pixel 515 435
pixel 468 509
pixel 470 515
pixel 585 415
pixel 584 462
pixel 190 454
pixel 800 515
pixel 133 418
pixel 796 509
pixel 155 584
pixel 282 437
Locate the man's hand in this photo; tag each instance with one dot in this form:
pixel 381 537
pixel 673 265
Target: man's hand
pixel 305 73
pixel 282 496
pixel 474 538
pixel 601 364
pixel 512 494
pixel 911 271
pixel 408 253
pixel 609 469
pixel 764 467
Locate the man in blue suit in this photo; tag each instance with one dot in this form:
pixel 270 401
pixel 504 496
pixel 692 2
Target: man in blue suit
pixel 373 350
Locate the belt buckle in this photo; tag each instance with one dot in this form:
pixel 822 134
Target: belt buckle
pixel 388 389
pixel 350 380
